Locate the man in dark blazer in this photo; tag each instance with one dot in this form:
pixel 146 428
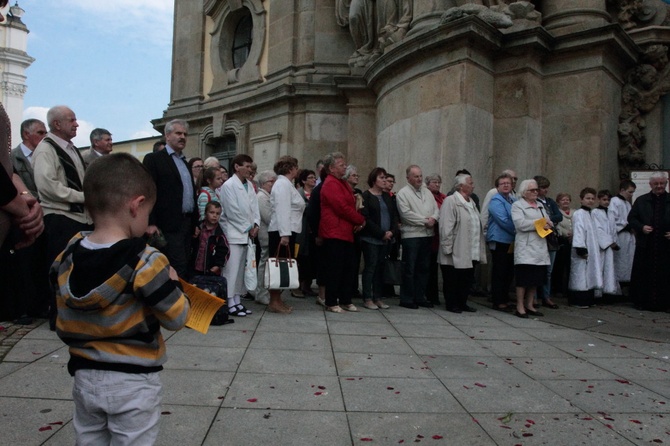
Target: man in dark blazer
pixel 175 213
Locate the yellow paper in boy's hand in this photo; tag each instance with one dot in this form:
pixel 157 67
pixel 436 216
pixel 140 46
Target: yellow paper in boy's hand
pixel 539 227
pixel 203 307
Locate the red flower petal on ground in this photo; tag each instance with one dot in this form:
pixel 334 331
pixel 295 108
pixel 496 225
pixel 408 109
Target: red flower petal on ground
pixel 366 439
pixel 586 418
pixel 505 427
pixel 318 393
pixel 479 385
pixel 322 387
pixel 389 388
pixel 437 437
pixel 56 423
pixel 526 434
pixel 420 436
pixel 608 418
pixel 45 428
pixel 610 426
pixel 401 441
pixel 623 381
pixel 635 421
pixel 530 421
pixel 396 392
pixel 252 400
pixel 481 363
pixel 657 440
pixel 516 343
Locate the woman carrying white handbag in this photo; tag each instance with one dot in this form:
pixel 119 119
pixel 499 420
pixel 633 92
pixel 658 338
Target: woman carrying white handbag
pixel 286 222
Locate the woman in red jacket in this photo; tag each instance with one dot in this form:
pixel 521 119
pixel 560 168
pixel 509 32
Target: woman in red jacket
pixel 339 221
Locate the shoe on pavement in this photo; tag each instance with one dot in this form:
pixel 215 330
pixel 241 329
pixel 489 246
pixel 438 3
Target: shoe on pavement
pixel 370 306
pixel 350 307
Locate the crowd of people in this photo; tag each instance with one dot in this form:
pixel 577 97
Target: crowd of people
pixel 113 235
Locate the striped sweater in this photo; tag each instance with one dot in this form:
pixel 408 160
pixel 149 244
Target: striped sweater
pixel 111 304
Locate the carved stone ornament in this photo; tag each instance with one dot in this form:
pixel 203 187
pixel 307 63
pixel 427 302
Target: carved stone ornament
pixel 639 13
pixel 645 84
pixel 14 89
pixel 500 16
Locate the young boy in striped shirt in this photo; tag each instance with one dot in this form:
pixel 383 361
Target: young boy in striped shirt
pixel 114 292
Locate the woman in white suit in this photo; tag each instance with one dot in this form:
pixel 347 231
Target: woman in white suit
pixel 240 220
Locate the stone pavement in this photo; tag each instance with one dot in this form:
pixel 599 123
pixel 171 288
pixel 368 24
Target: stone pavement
pixel 596 376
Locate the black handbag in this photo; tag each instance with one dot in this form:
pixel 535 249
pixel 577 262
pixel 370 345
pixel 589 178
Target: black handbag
pixel 392 271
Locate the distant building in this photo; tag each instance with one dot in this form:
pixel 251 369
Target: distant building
pixel 575 91
pixel 13 63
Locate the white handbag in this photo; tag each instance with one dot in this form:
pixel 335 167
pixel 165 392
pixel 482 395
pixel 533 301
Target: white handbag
pixel 281 273
pixel 250 270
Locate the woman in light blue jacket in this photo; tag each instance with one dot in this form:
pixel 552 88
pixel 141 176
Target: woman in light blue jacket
pixel 500 239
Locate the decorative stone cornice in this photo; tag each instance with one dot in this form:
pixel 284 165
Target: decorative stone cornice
pixel 640 13
pixel 13 89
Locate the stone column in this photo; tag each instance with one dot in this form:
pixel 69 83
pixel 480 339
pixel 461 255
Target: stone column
pixel 427 14
pixel 563 16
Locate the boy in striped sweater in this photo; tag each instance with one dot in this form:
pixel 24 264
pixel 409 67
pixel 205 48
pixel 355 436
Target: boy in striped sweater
pixel 114 292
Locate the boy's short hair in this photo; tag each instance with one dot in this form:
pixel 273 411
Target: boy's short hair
pixel 627 184
pixel 604 193
pixel 212 204
pixel 114 179
pixel 240 159
pixel 587 190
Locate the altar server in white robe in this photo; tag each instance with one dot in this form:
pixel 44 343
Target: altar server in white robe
pixel 607 241
pixel 585 265
pixel 619 209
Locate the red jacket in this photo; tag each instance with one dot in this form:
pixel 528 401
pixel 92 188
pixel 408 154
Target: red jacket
pixel 338 210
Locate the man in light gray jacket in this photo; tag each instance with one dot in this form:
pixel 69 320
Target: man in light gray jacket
pixel 418 216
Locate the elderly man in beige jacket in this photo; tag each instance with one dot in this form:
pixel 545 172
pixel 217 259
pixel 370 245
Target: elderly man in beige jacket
pixel 418 216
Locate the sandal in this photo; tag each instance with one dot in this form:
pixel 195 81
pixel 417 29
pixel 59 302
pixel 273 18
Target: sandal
pixel 243 308
pixel 381 305
pixel 235 311
pixel 350 307
pixel 335 309
pixel 370 306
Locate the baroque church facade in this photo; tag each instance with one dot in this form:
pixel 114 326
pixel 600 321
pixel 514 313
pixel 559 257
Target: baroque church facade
pixel 574 90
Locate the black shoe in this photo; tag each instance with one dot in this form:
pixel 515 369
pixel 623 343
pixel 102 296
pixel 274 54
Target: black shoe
pixel 24 320
pixel 426 304
pixel 410 305
pixel 534 313
pixel 454 310
pixel 468 309
pixel 521 315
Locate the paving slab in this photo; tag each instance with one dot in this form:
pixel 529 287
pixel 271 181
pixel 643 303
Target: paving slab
pixel 413 428
pixel 337 327
pixel 380 364
pixel 29 421
pixel 291 362
pixel 38 380
pixel 292 392
pixel 189 357
pixel 523 348
pixel 291 341
pixel 561 368
pixel 398 395
pixel 370 344
pixel 278 427
pixel 437 330
pixel 189 388
pixel 472 367
pixel 440 346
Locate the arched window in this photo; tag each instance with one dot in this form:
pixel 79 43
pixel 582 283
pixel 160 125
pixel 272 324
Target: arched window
pixel 242 39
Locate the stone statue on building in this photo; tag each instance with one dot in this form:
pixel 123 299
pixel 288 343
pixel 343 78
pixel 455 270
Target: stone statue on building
pixel 373 24
pixel 645 84
pixel 637 13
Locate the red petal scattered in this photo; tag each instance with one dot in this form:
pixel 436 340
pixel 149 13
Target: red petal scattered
pixel 244 331
pixel 401 441
pixel 505 426
pixel 623 381
pixel 526 434
pixel 481 363
pixel 318 393
pixel 322 387
pixel 432 357
pixel 167 412
pixel 420 436
pixel 221 397
pixel 663 370
pixel 623 346
pixel 366 439
pixel 45 428
pixel 527 425
pixel 479 385
pixel 586 418
pixel 635 421
pixel 56 423
pixel 397 392
pixel 516 343
pixel 384 337
pixel 351 379
pixel 609 418
pixel 389 388
pixel 657 440
pixel 583 380
pixel 530 421
pixel 610 426
pixel 252 400
pixel 580 350
pixel 437 437
pixel 475 420
pixel 466 387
